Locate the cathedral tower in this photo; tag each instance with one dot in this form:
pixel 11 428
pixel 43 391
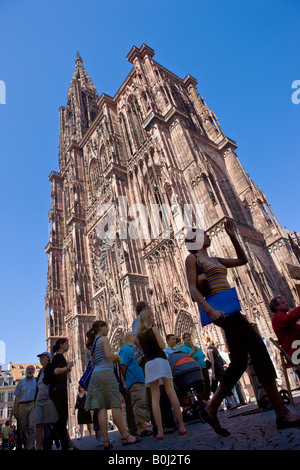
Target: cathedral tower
pixel 154 145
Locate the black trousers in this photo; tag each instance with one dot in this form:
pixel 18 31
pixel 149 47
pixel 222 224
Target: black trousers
pixel 59 431
pixel 243 340
pixel 207 390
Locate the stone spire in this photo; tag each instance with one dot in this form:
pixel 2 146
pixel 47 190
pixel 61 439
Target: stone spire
pixel 83 77
pixel 81 110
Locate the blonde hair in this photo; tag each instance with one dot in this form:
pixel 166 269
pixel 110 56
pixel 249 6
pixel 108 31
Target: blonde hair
pixel 128 337
pixel 208 340
pixel 144 323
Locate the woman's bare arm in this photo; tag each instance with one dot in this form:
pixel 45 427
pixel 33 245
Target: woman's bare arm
pixel 240 253
pixel 107 349
pixel 159 339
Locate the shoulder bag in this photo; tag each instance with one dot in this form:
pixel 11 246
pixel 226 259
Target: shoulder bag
pixel 86 376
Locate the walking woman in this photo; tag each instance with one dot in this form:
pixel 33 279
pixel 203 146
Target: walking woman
pixel 103 391
pixel 241 337
pixel 157 367
pixel 57 377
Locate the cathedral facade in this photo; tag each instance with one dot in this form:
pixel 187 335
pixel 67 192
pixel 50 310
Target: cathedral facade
pixel 154 144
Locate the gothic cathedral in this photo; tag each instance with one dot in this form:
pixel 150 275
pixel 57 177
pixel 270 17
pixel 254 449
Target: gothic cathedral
pixel 154 144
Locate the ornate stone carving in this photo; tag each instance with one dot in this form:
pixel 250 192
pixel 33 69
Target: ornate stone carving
pixel 155 140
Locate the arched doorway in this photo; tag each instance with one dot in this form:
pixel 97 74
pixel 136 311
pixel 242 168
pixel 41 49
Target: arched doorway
pixel 185 324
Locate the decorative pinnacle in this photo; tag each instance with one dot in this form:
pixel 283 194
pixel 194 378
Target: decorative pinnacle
pixel 78 60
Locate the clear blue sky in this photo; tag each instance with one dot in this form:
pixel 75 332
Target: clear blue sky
pixel 245 56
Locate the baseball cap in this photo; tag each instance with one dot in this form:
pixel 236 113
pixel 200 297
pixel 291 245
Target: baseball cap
pixel 46 353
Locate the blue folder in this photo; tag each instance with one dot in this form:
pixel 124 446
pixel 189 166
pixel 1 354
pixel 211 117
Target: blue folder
pixel 226 301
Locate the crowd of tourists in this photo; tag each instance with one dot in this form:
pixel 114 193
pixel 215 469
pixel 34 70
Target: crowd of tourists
pixel 142 373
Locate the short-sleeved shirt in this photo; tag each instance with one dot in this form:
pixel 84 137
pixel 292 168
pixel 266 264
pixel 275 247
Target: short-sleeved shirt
pixel 199 356
pixel 59 362
pixel 134 373
pixel 26 389
pixel 169 351
pixel 5 432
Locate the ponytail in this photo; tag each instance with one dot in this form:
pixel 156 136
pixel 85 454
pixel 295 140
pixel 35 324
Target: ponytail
pixel 91 334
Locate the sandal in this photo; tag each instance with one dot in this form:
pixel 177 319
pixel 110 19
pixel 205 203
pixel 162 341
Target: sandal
pixel 107 445
pixel 126 442
pixel 145 433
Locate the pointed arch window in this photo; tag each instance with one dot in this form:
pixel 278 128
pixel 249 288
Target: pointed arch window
pixel 126 135
pixel 135 119
pixel 95 179
pixel 146 100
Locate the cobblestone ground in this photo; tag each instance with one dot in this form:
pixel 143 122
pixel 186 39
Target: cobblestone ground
pixel 250 431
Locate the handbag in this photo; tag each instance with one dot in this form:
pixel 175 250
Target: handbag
pixel 226 301
pixel 86 376
pixel 120 379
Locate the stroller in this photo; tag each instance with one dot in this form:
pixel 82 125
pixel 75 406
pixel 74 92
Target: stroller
pixel 188 383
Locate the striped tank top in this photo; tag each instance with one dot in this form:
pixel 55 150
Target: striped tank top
pixel 216 274
pixel 100 361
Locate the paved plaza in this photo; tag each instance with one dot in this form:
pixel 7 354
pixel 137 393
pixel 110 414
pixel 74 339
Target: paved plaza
pixel 251 429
